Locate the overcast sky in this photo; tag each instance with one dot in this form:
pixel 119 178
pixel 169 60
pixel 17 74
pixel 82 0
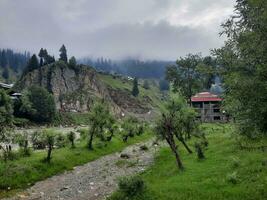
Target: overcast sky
pixel 145 29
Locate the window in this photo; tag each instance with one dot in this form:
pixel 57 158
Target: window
pixel 217 118
pixel 217 110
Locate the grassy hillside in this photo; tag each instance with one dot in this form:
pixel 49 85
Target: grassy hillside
pixel 153 93
pixel 227 172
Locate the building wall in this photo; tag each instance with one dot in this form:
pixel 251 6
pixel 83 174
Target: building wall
pixel 209 111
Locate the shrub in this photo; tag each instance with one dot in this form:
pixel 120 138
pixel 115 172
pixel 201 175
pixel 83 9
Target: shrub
pixel 83 133
pixel 131 186
pixel 38 104
pixel 60 140
pixel 38 140
pixel 232 178
pixel 235 162
pixel 200 153
pixel 23 142
pixel 71 138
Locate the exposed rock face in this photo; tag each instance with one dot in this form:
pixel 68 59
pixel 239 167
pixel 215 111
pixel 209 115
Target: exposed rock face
pixel 125 100
pixel 76 89
pixel 73 90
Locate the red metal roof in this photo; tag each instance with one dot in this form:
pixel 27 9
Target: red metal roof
pixel 205 96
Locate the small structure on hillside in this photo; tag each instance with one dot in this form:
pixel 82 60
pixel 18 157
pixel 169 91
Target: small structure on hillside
pixel 9 89
pixel 208 107
pixel 6 86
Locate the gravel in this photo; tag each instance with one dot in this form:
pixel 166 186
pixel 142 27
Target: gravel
pixel 94 180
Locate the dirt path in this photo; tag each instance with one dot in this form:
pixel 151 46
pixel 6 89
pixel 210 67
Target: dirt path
pixel 94 180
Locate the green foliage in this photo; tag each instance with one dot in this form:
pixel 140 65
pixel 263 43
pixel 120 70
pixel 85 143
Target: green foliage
pixel 210 179
pixel 243 63
pixel 178 120
pixel 129 127
pixel 6 110
pixel 72 62
pixel 164 85
pixel 24 170
pixel 184 75
pixel 32 64
pixel 6 119
pixel 135 90
pixel 129 187
pixel 38 104
pixel 63 54
pixel 71 138
pixel 49 138
pixel 100 118
pixel 192 74
pixel 22 139
pixel 146 85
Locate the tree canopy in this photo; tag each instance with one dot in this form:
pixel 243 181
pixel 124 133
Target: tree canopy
pixel 63 54
pixel 243 62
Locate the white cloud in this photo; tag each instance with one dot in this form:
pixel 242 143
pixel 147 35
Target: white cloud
pixel 162 29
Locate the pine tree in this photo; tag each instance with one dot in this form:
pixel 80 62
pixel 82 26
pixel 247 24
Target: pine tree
pixel 135 90
pixel 63 54
pixel 5 73
pixel 32 64
pixel 41 55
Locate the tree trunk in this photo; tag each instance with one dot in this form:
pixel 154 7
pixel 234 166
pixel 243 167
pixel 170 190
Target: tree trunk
pixel 49 153
pixel 178 160
pixel 72 144
pixel 186 146
pixel 173 146
pixel 90 143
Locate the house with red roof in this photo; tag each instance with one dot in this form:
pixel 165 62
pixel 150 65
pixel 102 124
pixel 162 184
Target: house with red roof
pixel 208 107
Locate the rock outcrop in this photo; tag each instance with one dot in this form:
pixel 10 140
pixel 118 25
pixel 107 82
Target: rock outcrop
pixel 76 89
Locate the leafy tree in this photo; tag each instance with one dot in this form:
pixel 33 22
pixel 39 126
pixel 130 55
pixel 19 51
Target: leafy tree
pixel 6 119
pixel 243 62
pixel 207 69
pixel 38 104
pixel 63 54
pixel 184 76
pixel 176 121
pixel 100 117
pixel 135 90
pixel 23 141
pixel 49 139
pixel 129 128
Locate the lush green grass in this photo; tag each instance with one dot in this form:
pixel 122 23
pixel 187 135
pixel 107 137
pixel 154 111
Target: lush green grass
pixel 213 178
pixel 25 171
pixel 117 83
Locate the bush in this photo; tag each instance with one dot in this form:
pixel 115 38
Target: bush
pixel 71 138
pixel 60 140
pixel 131 186
pixel 38 104
pixel 38 140
pixel 83 133
pixel 199 150
pixel 232 178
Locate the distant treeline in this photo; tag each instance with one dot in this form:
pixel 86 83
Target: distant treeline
pixel 12 63
pixel 131 67
pixel 14 60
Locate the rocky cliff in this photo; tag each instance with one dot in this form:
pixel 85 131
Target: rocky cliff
pixel 76 89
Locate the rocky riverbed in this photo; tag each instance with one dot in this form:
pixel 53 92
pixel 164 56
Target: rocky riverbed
pixel 95 180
